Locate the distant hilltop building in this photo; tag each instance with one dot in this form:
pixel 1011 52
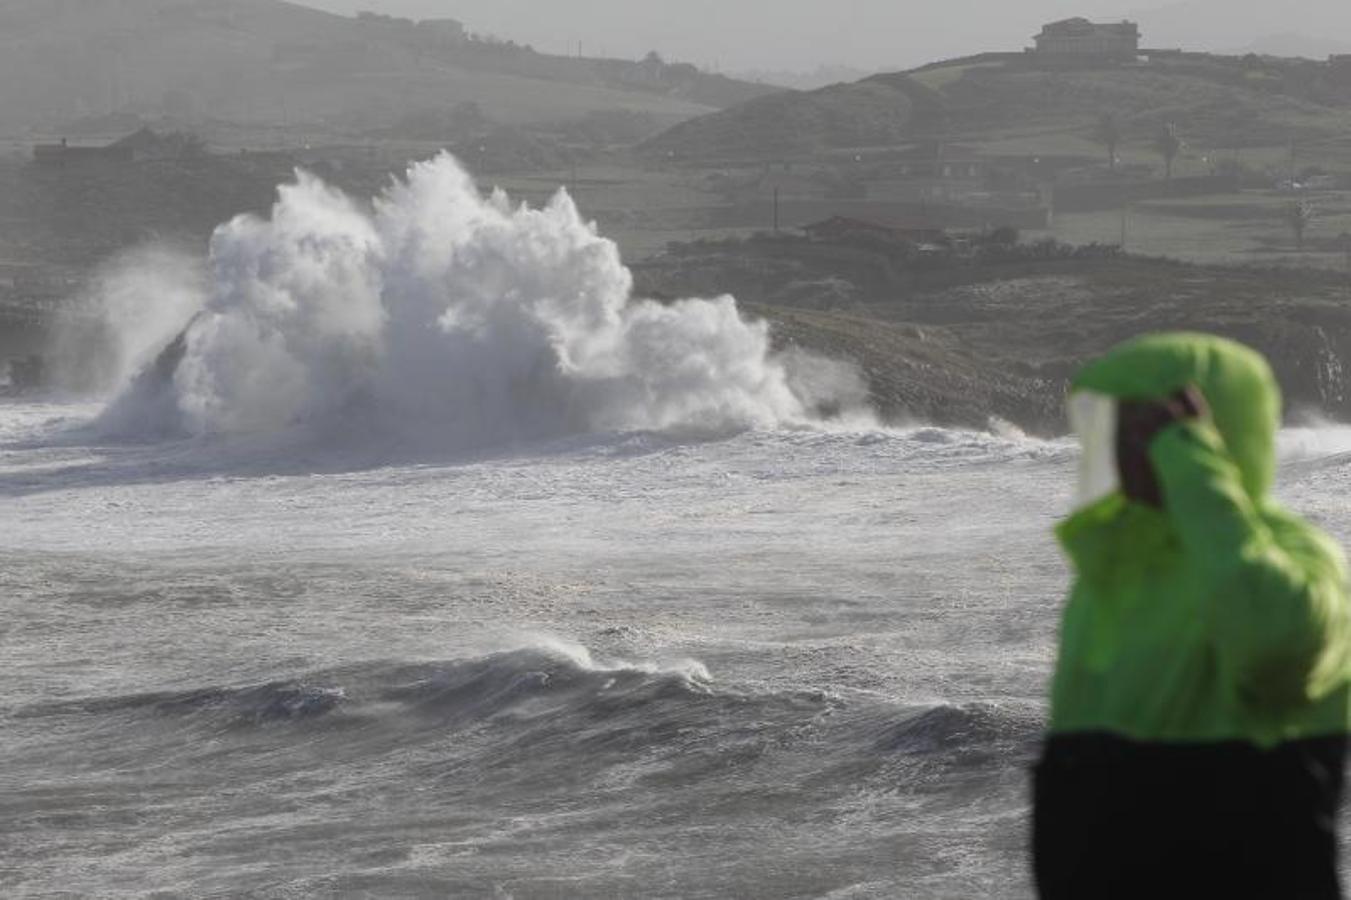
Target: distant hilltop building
pixel 1082 39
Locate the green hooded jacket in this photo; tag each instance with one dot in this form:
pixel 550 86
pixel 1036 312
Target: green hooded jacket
pixel 1221 616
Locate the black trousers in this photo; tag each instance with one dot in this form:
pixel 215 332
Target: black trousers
pixel 1117 818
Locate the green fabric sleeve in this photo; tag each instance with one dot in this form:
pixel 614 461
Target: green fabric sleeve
pixel 1274 593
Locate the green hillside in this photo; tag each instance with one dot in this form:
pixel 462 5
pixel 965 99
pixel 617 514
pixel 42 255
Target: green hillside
pixel 879 110
pixel 1229 102
pixel 1216 104
pixel 272 63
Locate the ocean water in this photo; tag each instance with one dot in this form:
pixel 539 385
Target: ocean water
pixel 430 563
pixel 778 664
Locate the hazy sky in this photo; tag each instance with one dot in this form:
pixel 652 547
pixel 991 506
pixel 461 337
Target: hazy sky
pixel 802 34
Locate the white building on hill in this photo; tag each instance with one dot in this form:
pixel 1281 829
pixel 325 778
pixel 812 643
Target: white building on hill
pixel 1080 38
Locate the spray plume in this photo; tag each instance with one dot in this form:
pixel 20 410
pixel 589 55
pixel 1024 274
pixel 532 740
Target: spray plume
pixel 441 312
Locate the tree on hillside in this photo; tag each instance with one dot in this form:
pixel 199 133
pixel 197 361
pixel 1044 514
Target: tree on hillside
pixel 1108 133
pixel 1298 216
pixel 1168 145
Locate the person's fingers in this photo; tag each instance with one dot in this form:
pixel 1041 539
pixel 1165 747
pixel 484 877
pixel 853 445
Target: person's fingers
pixel 1187 403
pixel 1196 400
pixel 1178 407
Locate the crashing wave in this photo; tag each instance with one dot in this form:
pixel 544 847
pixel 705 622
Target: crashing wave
pixel 436 311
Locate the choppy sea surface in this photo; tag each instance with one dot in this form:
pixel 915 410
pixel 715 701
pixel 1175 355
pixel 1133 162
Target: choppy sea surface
pixel 787 663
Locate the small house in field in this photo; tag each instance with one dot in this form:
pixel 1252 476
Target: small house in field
pixel 136 147
pixel 1080 39
pixel 66 153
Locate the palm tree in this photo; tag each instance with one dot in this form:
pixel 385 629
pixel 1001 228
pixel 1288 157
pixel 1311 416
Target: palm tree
pixel 1108 133
pixel 1168 145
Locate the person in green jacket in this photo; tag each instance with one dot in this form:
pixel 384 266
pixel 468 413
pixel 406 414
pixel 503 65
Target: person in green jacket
pixel 1200 702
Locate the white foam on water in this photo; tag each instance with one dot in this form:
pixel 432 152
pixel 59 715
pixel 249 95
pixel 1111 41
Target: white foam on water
pixel 692 670
pixel 1311 442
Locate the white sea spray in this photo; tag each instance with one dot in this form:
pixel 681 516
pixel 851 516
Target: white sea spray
pixel 439 312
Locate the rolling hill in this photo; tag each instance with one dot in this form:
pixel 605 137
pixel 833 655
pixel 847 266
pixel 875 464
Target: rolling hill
pixel 1217 101
pixel 273 63
pixel 882 109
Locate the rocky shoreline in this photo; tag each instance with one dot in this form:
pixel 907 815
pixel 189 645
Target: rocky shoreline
pixel 966 344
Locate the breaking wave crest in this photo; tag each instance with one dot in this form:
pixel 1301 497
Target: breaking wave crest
pixel 464 690
pixel 434 311
pixel 584 702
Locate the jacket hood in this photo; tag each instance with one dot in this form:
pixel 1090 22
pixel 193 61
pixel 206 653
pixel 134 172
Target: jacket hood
pixel 1245 402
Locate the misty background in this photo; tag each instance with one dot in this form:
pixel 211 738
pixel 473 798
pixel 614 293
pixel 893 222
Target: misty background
pixel 801 35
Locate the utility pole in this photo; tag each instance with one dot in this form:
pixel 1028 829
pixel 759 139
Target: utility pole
pixel 776 210
pixel 1125 214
